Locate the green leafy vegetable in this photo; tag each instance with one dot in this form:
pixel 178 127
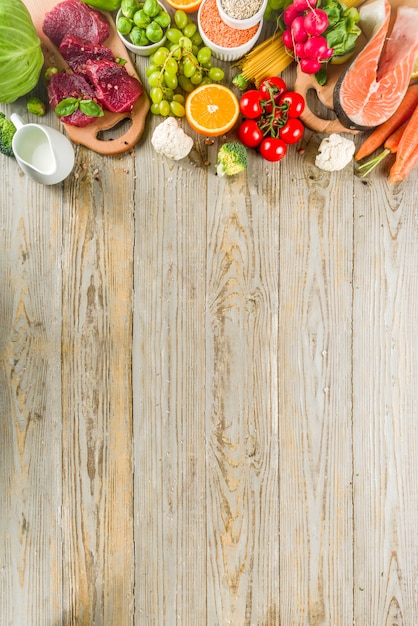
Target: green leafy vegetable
pixel 69 105
pixel 21 57
pixel 341 34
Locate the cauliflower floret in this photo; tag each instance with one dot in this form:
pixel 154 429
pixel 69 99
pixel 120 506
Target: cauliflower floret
pixel 170 140
pixel 334 153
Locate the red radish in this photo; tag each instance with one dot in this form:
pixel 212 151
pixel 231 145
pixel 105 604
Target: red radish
pixel 287 39
pixel 289 14
pixel 310 66
pixel 316 47
pixel 315 22
pixel 302 5
pixel 300 49
pixel 298 30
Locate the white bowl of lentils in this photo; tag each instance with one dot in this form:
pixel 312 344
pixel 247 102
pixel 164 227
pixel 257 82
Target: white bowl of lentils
pixel 241 14
pixel 227 44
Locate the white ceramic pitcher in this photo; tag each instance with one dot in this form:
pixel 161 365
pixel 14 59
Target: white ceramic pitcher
pixel 42 152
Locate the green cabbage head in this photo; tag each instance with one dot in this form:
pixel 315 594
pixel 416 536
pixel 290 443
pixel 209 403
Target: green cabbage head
pixel 21 57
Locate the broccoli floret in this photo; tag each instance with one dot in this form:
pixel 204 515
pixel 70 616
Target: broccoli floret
pixel 7 130
pixel 241 82
pixel 232 159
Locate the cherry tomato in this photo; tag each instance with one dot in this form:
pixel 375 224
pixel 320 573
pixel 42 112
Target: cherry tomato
pixel 294 101
pixel 292 131
pixel 250 104
pixel 276 84
pixel 273 148
pixel 249 133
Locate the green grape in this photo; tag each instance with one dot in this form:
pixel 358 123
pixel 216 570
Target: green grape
pixel 175 51
pixel 156 94
pixel 197 78
pixel 154 79
pixel 155 108
pixel 151 69
pixel 197 39
pixel 171 66
pixel 216 74
pixel 168 94
pixel 185 43
pixel 204 55
pixel 189 68
pixel 185 83
pixel 178 97
pixel 206 80
pixel 195 50
pixel 181 19
pixel 174 35
pixel 189 30
pixel 164 108
pixel 160 56
pixel 177 109
pixel 171 80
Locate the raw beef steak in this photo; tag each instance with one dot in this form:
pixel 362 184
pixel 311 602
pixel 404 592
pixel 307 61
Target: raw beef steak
pixel 116 90
pixel 76 18
pixel 76 52
pixel 63 86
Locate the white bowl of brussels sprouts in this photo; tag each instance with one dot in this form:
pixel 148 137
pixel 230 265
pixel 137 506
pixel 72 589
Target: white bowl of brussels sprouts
pixel 142 25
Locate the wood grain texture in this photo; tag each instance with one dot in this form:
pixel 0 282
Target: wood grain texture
pixel 207 393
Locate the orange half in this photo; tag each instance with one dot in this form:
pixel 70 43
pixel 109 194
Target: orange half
pixel 212 109
pixel 188 6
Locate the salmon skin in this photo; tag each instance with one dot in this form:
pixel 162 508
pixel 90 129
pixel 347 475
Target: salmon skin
pixel 373 86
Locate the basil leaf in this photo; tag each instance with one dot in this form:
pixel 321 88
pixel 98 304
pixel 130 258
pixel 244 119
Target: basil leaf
pixel 66 107
pixel 91 108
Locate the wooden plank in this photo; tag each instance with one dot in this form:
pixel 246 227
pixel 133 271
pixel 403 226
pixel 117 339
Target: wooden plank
pixel 30 399
pixel 316 222
pixel 169 389
pixel 97 524
pixel 241 397
pixel 385 384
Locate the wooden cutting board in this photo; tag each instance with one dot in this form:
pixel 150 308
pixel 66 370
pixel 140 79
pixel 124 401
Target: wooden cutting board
pixel 309 88
pixel 89 135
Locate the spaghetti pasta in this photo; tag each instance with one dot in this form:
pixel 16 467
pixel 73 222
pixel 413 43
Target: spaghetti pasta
pixel 271 57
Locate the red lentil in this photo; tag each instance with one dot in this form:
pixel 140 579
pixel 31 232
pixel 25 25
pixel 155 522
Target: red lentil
pixel 217 31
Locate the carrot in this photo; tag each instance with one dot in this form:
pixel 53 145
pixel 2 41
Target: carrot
pixel 407 154
pixel 382 132
pixel 390 147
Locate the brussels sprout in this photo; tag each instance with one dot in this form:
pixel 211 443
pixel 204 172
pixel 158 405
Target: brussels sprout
pixel 151 7
pixel 124 25
pixel 141 19
pixel 49 72
pixel 36 106
pixel 154 32
pixel 163 19
pixel 128 8
pixel 138 37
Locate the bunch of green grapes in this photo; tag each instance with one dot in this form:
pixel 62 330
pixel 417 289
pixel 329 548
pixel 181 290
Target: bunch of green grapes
pixel 178 67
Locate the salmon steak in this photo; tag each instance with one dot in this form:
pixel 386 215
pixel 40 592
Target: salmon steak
pixel 373 86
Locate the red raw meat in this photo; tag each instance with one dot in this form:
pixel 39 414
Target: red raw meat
pixel 76 18
pixel 62 86
pixel 116 90
pixel 76 52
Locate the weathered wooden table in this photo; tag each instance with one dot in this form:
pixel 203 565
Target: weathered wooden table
pixel 208 393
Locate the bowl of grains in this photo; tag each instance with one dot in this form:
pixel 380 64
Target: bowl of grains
pixel 227 43
pixel 241 14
